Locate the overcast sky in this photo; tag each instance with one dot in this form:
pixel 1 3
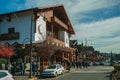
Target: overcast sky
pixel 94 21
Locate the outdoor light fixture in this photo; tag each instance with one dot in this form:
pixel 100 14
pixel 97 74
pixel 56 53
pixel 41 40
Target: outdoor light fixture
pixel 23 42
pixel 45 18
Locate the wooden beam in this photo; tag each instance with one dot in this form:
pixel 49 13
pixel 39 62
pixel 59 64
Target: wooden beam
pixel 61 23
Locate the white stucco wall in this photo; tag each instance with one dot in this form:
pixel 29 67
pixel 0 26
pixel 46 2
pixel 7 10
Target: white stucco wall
pixel 22 24
pixel 64 36
pixel 66 39
pixel 40 34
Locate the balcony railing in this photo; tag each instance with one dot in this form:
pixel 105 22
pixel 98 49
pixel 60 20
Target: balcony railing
pixel 12 36
pixel 54 41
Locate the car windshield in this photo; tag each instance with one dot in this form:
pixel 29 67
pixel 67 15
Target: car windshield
pixel 2 74
pixel 51 67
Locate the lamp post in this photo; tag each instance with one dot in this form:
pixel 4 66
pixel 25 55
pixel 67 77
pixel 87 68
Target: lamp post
pixel 30 75
pixel 30 40
pixel 31 47
pixel 86 42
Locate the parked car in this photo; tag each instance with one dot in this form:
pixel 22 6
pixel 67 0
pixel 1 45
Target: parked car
pixel 101 63
pixel 96 63
pixel 89 63
pixel 5 75
pixel 116 61
pixel 53 70
pixel 107 63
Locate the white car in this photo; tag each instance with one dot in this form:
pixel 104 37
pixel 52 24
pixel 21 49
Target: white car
pixel 53 70
pixel 5 75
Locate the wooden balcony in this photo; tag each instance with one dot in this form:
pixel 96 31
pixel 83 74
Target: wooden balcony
pixel 12 36
pixel 55 42
pixel 58 21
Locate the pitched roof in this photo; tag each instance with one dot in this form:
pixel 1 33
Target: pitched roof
pixel 59 8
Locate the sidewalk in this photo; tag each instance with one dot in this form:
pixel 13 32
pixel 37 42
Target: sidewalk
pixel 26 77
pixel 21 77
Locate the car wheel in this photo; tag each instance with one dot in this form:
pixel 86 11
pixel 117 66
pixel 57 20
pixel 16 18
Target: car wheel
pixel 56 74
pixel 62 72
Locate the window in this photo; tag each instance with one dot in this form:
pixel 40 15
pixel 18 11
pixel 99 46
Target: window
pixel 3 74
pixel 11 30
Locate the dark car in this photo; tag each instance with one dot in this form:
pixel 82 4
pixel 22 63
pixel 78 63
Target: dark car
pixel 101 63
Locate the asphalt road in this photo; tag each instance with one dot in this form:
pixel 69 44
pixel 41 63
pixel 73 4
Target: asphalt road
pixel 92 73
pixel 86 76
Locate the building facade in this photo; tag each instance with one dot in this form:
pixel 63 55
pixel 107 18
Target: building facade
pixel 48 28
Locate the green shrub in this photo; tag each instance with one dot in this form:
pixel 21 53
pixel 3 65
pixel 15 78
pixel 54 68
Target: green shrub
pixel 3 60
pixel 117 67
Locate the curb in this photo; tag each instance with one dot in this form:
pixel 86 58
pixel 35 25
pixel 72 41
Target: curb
pixel 33 78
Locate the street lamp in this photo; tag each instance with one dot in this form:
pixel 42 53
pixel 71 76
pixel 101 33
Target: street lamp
pixel 31 47
pixel 32 52
pixel 86 42
pixel 30 39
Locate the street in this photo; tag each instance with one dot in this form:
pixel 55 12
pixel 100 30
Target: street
pixel 94 73
pixel 91 73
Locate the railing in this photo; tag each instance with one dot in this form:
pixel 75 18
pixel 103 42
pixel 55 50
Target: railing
pixel 11 36
pixel 54 41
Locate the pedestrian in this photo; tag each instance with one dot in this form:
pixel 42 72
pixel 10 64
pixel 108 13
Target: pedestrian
pixel 77 64
pixel 73 64
pixel 34 68
pixel 68 66
pixel 80 64
pixel 13 68
pixel 6 66
pixel 9 66
pixel 83 62
pixel 22 69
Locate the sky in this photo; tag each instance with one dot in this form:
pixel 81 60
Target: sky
pixel 95 22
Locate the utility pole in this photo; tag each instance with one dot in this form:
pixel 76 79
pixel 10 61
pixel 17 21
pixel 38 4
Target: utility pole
pixel 111 59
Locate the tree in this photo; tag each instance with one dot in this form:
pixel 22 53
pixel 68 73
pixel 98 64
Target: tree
pixel 6 51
